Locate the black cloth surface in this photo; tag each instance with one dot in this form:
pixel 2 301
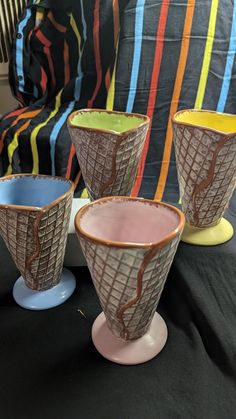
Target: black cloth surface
pixel 49 368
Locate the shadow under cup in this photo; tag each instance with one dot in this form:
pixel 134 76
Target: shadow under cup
pixel 129 245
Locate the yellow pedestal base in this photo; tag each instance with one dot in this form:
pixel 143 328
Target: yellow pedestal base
pixel 209 236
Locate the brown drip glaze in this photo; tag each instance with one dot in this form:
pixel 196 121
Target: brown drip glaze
pixel 147 258
pixel 208 180
pixel 31 258
pixel 113 167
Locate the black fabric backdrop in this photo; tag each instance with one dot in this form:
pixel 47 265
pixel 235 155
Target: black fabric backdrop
pixel 49 368
pixel 163 56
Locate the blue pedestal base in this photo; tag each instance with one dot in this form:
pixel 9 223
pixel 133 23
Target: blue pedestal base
pixel 42 300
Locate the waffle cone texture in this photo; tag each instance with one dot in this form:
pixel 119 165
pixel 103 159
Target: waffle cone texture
pixel 206 167
pixel 36 239
pixel 115 275
pixel 128 278
pixel 108 160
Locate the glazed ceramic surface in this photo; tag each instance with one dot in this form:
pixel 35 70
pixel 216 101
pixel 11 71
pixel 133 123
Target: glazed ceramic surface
pixel 129 245
pixel 108 147
pixel 34 218
pixel 205 147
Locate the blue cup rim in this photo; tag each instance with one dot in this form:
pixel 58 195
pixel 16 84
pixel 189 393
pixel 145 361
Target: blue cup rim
pixel 39 176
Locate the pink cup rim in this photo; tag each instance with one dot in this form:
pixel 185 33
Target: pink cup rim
pixel 111 243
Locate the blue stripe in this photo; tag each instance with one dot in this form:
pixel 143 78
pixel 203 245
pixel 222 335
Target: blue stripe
pixel 78 82
pixel 229 65
pixel 54 134
pixel 137 54
pixel 19 51
pixel 35 92
pixel 83 21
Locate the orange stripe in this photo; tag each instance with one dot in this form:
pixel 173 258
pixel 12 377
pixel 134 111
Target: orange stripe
pixel 29 114
pixel 77 179
pixel 116 19
pixel 25 115
pixel 57 25
pixel 23 127
pixel 175 98
pixel 108 79
pixel 160 36
pixel 96 53
pixel 66 63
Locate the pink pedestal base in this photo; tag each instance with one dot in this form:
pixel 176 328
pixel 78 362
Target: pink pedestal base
pixel 129 352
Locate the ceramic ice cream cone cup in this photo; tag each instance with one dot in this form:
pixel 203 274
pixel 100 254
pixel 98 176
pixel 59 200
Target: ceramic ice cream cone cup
pixel 108 146
pixel 34 217
pixel 205 147
pixel 129 245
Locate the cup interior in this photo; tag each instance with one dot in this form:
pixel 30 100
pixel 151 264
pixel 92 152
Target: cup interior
pixel 32 191
pixel 212 120
pixel 115 122
pixel 129 221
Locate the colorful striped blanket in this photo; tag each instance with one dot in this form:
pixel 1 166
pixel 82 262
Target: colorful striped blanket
pixel 146 56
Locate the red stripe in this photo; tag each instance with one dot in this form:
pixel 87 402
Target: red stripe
pixel 43 81
pixel 69 164
pixel 96 53
pixel 66 63
pixel 42 38
pixel 57 25
pixel 51 66
pixel 14 113
pixel 47 44
pixel 153 90
pixel 45 41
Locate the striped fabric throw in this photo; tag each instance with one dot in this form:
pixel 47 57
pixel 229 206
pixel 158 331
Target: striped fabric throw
pixel 145 56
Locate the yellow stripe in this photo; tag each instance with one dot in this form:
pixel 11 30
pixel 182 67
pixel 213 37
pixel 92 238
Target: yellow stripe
pixel 39 16
pixel 111 93
pixel 84 193
pixel 33 138
pixel 207 55
pixel 75 29
pixel 14 145
pixel 11 148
